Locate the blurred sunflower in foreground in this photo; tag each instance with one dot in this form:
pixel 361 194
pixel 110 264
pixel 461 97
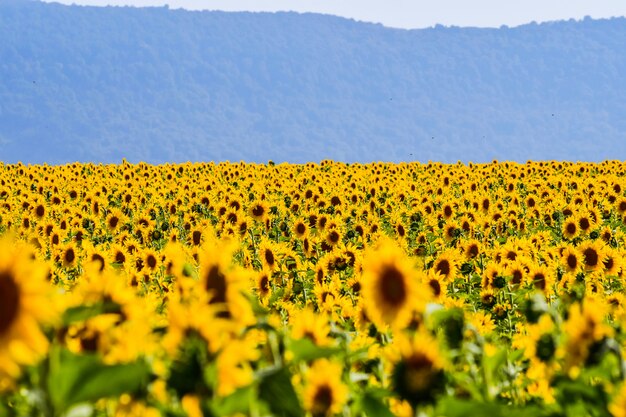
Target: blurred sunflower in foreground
pixel 25 303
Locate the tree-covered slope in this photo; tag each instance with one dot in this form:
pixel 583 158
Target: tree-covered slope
pixel 152 84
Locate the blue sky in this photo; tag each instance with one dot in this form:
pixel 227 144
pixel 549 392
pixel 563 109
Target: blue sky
pixel 408 13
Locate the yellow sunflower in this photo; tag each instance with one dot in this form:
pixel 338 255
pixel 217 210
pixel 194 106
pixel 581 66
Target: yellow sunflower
pixel 324 393
pixel 24 304
pixel 389 288
pixel 418 375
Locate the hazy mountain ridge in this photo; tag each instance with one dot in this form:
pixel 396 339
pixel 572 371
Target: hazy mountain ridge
pixel 99 84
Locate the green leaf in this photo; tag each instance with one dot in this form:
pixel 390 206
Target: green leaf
pixel 276 390
pixel 84 378
pixel 188 373
pixel 373 406
pixel 492 366
pixel 452 407
pixel 82 313
pixel 236 403
pixel 305 350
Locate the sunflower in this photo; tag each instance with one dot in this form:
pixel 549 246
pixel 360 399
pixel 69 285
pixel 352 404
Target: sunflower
pixel 263 284
pixel 39 209
pixel 418 376
pixel 585 223
pixel 517 271
pixel 115 219
pixel 259 210
pixel 68 255
pixel 571 259
pixel 151 260
pixel 389 287
pixel 324 392
pixel 445 264
pixel 24 304
pixel 584 327
pixel 451 231
pixel 593 255
pixel 570 228
pixel 300 229
pixel 233 366
pixel 333 237
pixel 612 261
pixel 620 205
pixel 223 283
pixel 606 234
pixel 482 322
pixel 310 325
pixel 190 318
pixel 436 284
pixel 308 247
pixel 195 237
pixel 542 278
pixel 618 403
pixel 119 255
pixel 471 249
pixel 539 343
pixel 447 211
pixel 268 253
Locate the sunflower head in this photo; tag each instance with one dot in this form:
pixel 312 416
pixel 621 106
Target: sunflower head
pixel 324 393
pixel 24 303
pixel 389 288
pixel 418 376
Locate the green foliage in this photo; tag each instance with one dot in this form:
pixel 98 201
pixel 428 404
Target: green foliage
pixel 74 379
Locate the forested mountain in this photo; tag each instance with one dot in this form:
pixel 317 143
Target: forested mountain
pixel 154 84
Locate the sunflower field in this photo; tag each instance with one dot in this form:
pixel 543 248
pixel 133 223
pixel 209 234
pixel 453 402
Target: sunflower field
pixel 328 289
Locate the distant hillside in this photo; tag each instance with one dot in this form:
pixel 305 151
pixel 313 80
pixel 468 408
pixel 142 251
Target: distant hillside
pixel 152 84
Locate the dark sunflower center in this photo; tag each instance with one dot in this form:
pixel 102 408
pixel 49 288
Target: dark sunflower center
pixel 90 343
pixel 443 267
pixel 9 301
pixel 473 251
pixel 120 257
pixel 113 221
pixel 264 284
pixel 269 257
pixel 572 261
pixel 151 261
pixel 392 286
pixel 591 257
pixel 195 237
pixel 300 228
pixel 96 257
pixel 540 281
pixel 319 276
pixel 570 228
pixel 257 211
pixel 419 373
pixel 545 347
pixel 70 256
pixel 322 401
pixel 216 284
pixel 435 286
pixel 584 223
